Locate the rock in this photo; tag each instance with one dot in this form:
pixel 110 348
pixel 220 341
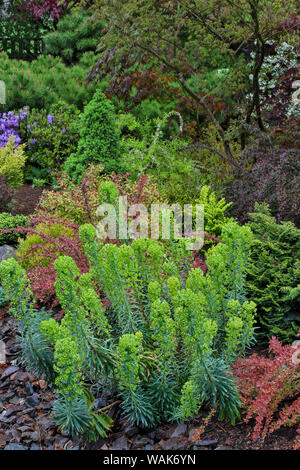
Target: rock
pixel 3 439
pixel 60 441
pixel 223 448
pixel 25 428
pixel 99 403
pixel 30 436
pixel 172 444
pixel 47 406
pixel 180 430
pixel 130 430
pixel 2 353
pixel 28 388
pixel 20 376
pixel 46 424
pixel 15 434
pixel 141 441
pixel 164 433
pixel 17 401
pixel 6 252
pixel 207 443
pixel 7 396
pixel 151 435
pixel 1 406
pixel 11 410
pixel 148 447
pixel 120 444
pixel 14 446
pixel 6 420
pixel 34 446
pixel 9 371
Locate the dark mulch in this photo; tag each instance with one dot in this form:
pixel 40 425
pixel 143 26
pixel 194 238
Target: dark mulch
pixel 25 420
pixel 26 199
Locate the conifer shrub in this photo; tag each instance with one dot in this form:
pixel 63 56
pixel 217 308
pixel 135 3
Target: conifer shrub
pixel 99 141
pixel 163 343
pixel 274 275
pixel 75 34
pixel 45 81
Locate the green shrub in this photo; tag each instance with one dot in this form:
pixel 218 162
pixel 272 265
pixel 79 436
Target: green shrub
pixel 214 211
pixel 51 136
pixel 274 275
pixel 99 139
pixel 74 35
pixel 9 221
pixel 32 251
pixel 164 345
pixel 146 151
pixel 78 203
pixel 12 163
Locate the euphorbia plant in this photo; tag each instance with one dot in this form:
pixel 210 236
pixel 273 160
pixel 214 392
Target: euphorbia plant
pixel 166 342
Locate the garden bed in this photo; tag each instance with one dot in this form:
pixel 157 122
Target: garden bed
pixel 25 419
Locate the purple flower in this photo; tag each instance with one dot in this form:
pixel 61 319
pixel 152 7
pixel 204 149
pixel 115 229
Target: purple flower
pixel 32 142
pixel 50 118
pixel 9 122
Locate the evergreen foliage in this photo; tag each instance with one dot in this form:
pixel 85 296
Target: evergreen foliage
pixel 75 34
pixel 274 275
pixel 99 139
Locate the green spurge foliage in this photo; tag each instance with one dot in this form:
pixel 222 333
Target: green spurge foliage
pixel 99 139
pixel 35 351
pixel 165 343
pixel 274 275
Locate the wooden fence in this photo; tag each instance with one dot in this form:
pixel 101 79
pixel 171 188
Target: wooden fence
pixel 22 48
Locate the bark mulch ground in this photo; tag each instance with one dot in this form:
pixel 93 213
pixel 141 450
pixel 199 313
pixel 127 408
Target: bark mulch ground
pixel 26 199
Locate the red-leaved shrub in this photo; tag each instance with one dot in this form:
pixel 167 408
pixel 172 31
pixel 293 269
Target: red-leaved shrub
pixel 270 389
